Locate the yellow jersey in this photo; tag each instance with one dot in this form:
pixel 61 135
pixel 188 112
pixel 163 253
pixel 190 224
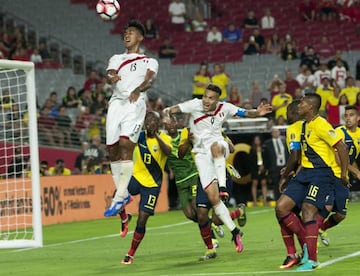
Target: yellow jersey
pixel 352 141
pixel 221 80
pixel 199 91
pixel 318 138
pixel 149 160
pixel 65 171
pixel 293 136
pixel 324 94
pixel 278 100
pixel 350 93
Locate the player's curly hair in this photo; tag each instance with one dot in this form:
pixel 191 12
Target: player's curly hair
pixel 136 24
pixel 214 88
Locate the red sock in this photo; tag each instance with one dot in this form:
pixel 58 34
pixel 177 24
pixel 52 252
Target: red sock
pixel 288 238
pixel 311 237
pixel 137 238
pixel 294 224
pixel 330 222
pixel 205 231
pixel 123 215
pixel 319 220
pixel 235 214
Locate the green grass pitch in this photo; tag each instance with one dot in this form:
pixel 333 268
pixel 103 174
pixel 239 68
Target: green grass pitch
pixel 172 246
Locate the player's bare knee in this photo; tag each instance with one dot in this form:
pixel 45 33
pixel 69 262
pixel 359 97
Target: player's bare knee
pixel 217 150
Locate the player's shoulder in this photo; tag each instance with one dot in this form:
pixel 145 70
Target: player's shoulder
pixel 296 126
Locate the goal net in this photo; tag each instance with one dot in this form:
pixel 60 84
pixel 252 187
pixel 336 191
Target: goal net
pixel 20 203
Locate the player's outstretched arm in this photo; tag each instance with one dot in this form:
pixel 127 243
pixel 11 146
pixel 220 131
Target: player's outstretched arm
pixel 261 110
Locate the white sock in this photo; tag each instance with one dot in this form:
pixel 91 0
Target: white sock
pixel 125 173
pixel 220 170
pixel 115 170
pixel 223 213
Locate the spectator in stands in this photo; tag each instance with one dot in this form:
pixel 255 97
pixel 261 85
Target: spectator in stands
pixel 220 79
pixel 59 168
pixel 306 79
pixel 167 50
pixel 100 102
pixel 177 11
pixel 5 44
pixel 349 10
pixel 259 38
pixel 151 31
pixel 54 99
pixel 70 100
pixel 343 102
pixel 43 51
pixel 92 80
pixel 280 102
pixel 214 35
pixel 337 56
pixel 298 94
pixel 20 54
pixel 80 161
pixel 6 101
pixel 83 121
pixel 332 107
pixel 14 124
pixel 251 47
pixel 85 98
pixel 267 21
pixel 291 83
pixel 273 45
pixel 251 21
pixel 322 72
pixel 200 81
pixel 307 10
pixel 47 127
pixel 339 73
pixel 94 154
pixel 65 127
pixel 288 38
pixel 235 96
pixel 258 172
pixel 311 60
pixel 255 95
pixel 325 49
pixel 232 34
pixel 350 90
pixel 198 24
pixel 357 104
pixel 289 53
pixel 44 168
pixel 328 10
pixel 324 90
pixel 18 166
pixel 97 125
pixel 35 56
pixel 274 86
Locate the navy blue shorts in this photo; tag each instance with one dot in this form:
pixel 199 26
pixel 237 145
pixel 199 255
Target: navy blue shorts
pixel 339 197
pixel 148 196
pixel 201 196
pixel 311 186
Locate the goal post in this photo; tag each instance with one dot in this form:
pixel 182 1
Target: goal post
pixel 20 201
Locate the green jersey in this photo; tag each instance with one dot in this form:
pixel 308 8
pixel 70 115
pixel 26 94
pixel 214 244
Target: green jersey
pixel 183 168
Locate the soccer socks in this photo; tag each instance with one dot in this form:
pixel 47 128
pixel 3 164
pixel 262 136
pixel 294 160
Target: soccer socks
pixel 288 238
pixel 235 214
pixel 294 224
pixel 220 170
pixel 223 213
pixel 205 232
pixel 328 223
pixel 122 174
pixel 138 235
pixel 311 229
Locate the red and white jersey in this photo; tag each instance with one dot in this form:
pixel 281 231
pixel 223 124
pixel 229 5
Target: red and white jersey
pixel 132 69
pixel 319 75
pixel 207 126
pixel 339 75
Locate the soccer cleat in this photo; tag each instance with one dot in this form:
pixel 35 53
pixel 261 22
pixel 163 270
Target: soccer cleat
pixel 305 256
pixel 115 207
pixel 125 226
pixel 242 219
pixel 237 240
pixel 127 260
pixel 324 238
pixel 290 261
pixel 223 193
pixel 209 254
pixel 218 229
pixel 215 243
pixel 308 266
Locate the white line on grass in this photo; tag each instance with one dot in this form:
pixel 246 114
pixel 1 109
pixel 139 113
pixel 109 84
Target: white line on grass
pixel 130 232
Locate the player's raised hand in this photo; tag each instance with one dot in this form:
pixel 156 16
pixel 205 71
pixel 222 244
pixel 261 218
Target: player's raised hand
pixel 264 109
pixel 113 77
pixel 134 96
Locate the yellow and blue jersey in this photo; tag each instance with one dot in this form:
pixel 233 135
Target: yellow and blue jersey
pixel 293 136
pixel 352 141
pixel 150 160
pixel 318 138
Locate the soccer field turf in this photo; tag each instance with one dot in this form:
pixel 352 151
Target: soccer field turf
pixel 172 246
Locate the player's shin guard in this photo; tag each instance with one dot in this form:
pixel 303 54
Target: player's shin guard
pixel 223 213
pixel 205 232
pixel 220 171
pixel 294 224
pixel 125 174
pixel 139 234
pixel 328 223
pixel 288 238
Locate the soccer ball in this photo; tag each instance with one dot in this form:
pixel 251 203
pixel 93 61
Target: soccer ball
pixel 108 9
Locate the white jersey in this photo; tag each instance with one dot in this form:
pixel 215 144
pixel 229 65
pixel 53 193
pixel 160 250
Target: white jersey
pixel 132 69
pixel 319 75
pixel 207 127
pixel 339 75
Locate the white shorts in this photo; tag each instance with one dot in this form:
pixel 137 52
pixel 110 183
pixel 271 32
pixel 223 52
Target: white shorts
pixel 124 119
pixel 205 165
